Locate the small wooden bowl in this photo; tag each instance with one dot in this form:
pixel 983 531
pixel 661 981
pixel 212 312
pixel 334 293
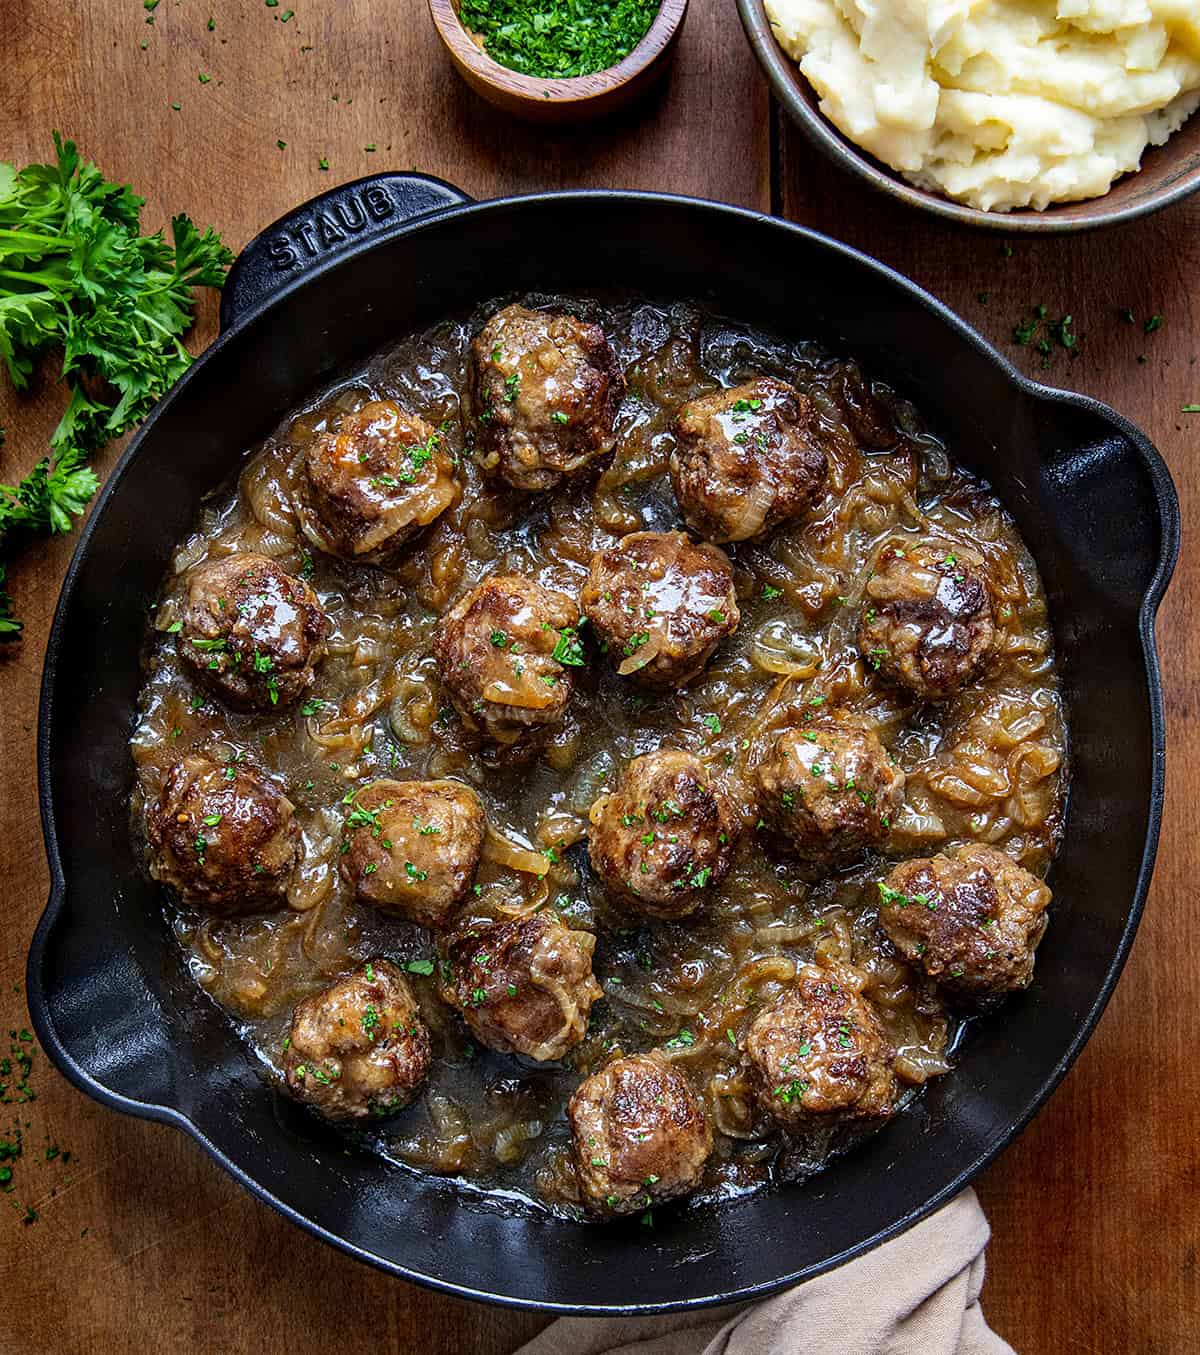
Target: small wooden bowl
pixel 583 96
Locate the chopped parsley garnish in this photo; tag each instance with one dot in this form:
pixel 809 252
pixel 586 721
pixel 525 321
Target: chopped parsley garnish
pixel 1038 331
pixel 558 39
pixel 890 896
pixel 791 1091
pixel 419 966
pixel 569 649
pixel 312 706
pixel 770 593
pixel 361 817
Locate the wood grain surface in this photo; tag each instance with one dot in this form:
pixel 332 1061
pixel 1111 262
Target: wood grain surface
pixel 140 1244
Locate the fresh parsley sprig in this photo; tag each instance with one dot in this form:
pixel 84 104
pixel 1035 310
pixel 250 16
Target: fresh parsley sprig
pixel 77 274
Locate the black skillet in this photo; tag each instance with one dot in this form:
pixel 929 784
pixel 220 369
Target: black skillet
pixel 318 292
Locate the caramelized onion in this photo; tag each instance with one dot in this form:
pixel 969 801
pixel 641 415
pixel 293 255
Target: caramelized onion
pixel 984 767
pixel 778 649
pixel 646 653
pixel 513 856
pixel 512 1141
pixel 517 692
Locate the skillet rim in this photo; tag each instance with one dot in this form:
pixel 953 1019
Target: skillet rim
pixel 1166 500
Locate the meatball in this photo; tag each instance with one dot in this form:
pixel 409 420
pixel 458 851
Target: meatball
pixel 828 790
pixel 411 847
pixel 819 1053
pixel 927 617
pixel 359 1047
pixel 545 390
pixel 660 606
pixel 747 459
pixel 664 836
pixel 638 1135
pixel 971 918
pixel 251 631
pixel 223 837
pixel 506 652
pixel 524 986
pixel 372 485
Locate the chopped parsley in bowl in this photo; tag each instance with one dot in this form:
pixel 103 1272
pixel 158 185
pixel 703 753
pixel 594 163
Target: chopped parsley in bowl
pixel 558 39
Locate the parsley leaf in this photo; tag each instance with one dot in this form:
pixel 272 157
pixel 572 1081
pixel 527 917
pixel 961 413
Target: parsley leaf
pixel 76 274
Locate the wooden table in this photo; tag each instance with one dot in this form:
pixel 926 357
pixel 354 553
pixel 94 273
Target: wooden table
pixel 141 1244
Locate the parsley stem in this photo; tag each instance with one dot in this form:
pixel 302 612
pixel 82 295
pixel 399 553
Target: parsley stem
pixel 36 241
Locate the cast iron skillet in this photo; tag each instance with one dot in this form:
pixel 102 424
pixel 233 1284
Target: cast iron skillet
pixel 320 290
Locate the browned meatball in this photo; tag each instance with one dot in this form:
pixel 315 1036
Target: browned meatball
pixel 359 1047
pixel 971 918
pixel 506 653
pixel 411 847
pixel 223 837
pixel 545 389
pixel 927 617
pixel 524 986
pixel 251 631
pixel 374 483
pixel 747 460
pixel 638 1135
pixel 660 605
pixel 818 1052
pixel 828 790
pixel 665 836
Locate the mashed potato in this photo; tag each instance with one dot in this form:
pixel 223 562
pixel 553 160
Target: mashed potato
pixel 1000 103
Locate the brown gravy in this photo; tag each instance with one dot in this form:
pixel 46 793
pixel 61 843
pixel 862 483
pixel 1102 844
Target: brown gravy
pixel 988 766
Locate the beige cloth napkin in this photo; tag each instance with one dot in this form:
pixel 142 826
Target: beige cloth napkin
pixel 915 1295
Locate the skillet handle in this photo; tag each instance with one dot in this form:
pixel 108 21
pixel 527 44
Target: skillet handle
pixel 318 231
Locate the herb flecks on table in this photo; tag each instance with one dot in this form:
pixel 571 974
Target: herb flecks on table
pixel 558 39
pixel 77 274
pixel 17 1160
pixel 1038 331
